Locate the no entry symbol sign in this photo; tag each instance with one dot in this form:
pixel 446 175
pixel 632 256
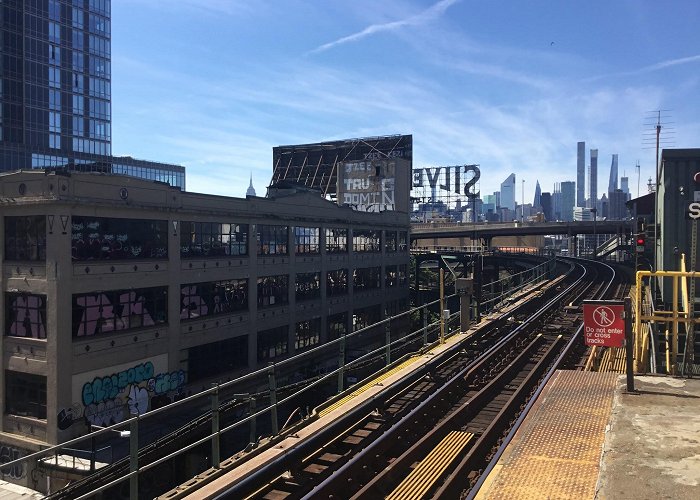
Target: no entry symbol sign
pixel 604 324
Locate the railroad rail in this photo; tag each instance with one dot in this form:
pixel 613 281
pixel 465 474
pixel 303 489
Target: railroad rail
pixel 449 423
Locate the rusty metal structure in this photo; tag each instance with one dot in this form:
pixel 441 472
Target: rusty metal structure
pixel 316 165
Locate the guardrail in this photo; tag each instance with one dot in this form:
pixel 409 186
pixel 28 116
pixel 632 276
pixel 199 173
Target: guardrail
pixel 334 356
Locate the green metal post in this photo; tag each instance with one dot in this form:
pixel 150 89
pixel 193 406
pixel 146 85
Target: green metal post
pixel 341 365
pixel 253 429
pixel 134 458
pixel 215 445
pixel 273 399
pixel 387 339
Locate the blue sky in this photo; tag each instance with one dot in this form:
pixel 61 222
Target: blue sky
pixel 215 84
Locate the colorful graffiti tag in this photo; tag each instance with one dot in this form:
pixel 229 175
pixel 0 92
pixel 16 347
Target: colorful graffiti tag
pixel 109 399
pixel 100 312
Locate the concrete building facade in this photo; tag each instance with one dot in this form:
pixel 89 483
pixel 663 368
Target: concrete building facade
pixel 119 293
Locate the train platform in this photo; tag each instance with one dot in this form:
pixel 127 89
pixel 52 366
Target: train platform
pixel 586 437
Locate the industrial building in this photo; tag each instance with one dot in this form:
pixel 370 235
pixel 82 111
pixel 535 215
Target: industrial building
pixel 120 293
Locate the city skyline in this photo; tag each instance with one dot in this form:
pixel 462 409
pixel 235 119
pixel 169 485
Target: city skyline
pixel 512 90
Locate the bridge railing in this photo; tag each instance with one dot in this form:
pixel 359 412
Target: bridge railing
pixel 496 293
pixel 266 392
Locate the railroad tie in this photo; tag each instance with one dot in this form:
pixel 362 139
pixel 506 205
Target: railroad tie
pixel 431 468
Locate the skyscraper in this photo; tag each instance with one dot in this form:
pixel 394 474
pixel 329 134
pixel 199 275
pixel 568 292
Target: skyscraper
pixel 537 202
pixel 612 182
pixel 55 103
pixel 508 193
pixel 593 180
pixel 581 174
pixel 568 193
pixel 624 186
pixel 546 201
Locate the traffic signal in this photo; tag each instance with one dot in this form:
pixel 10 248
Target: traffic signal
pixel 640 242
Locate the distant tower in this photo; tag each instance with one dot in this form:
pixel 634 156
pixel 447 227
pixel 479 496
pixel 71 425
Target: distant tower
pixel 612 183
pixel 593 180
pixel 567 194
pixel 537 202
pixel 251 189
pixel 624 186
pixel 508 193
pixel 581 174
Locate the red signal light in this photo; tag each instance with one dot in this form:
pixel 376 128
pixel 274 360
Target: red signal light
pixel 640 241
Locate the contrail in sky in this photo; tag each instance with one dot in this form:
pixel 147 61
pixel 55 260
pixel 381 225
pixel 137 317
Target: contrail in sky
pixel 427 15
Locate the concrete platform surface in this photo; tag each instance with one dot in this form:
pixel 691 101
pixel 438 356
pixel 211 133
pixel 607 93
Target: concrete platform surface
pixel 652 447
pixel 586 437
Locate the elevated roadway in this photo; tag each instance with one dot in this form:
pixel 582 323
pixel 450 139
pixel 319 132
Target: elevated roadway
pixel 488 231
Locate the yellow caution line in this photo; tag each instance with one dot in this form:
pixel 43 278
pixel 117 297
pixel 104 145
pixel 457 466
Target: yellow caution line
pixel 382 377
pixel 367 386
pixel 424 476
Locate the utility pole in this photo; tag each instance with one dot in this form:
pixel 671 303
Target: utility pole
pixel 522 205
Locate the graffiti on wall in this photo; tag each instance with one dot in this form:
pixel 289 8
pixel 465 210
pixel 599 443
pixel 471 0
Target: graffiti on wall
pixel 368 186
pixel 109 399
pixel 10 454
pixel 26 313
pixel 99 314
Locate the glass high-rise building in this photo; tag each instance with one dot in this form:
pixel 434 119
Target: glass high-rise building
pixel 581 174
pixel 55 90
pixel 508 193
pixel 593 180
pixel 612 182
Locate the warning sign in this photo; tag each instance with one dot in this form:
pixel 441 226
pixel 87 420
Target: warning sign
pixel 604 323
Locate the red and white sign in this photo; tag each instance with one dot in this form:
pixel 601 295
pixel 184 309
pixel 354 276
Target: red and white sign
pixel 604 324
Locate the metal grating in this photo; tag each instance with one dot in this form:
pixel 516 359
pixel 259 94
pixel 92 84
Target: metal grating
pixel 558 455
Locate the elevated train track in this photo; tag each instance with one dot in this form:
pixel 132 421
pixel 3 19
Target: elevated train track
pixel 436 433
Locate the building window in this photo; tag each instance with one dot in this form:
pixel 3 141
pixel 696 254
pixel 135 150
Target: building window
pixel 403 275
pixel 101 238
pixel 366 240
pixel 390 241
pixel 362 318
pixel 218 297
pixel 213 239
pixel 366 278
pixel 55 101
pixel 54 32
pixel 306 239
pixel 307 334
pixel 403 241
pixel 25 394
pixel 308 286
pixel 54 10
pixel 395 308
pixel 25 238
pixel 78 20
pixel 273 291
pixel 391 277
pixel 337 325
pixel 336 240
pixel 273 343
pixel 217 358
pixel 272 240
pixel 25 315
pixel 117 310
pixel 337 282
pixel 54 77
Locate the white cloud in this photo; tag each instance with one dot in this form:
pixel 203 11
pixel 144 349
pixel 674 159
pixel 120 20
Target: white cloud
pixel 429 14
